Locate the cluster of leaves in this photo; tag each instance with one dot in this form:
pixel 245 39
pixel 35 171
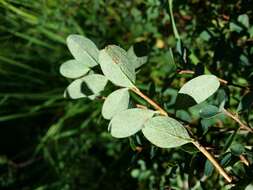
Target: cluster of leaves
pixel 119 67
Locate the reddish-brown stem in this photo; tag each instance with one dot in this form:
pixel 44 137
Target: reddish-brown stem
pixel 244 160
pixel 150 101
pixel 196 143
pixel 236 119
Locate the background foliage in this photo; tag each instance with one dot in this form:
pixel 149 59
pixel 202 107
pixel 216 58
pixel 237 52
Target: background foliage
pixel 48 142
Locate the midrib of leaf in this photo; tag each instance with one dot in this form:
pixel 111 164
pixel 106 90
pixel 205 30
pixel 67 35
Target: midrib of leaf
pixel 90 56
pixel 173 135
pixel 115 62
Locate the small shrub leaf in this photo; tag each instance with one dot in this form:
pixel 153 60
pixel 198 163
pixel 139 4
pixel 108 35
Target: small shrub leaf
pixel 165 132
pixel 116 102
pixel 134 59
pixel 73 69
pixel 83 49
pixel 129 122
pixel 120 55
pixel 87 86
pixel 244 20
pixel 201 87
pixel 209 111
pixel 116 67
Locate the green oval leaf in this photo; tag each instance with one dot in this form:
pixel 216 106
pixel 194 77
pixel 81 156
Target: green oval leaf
pixel 244 20
pixel 134 59
pixel 129 122
pixel 200 88
pixel 116 67
pixel 209 111
pixel 116 102
pixel 119 55
pixel 237 148
pixel 88 86
pixel 83 49
pixel 165 132
pixel 73 69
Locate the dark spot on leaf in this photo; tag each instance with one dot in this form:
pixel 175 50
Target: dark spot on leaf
pixel 115 60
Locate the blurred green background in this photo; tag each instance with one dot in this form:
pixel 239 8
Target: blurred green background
pixel 48 142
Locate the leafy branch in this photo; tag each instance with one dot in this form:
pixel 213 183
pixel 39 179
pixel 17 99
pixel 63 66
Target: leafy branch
pixel 202 149
pixel 233 116
pixel 118 66
pixel 222 81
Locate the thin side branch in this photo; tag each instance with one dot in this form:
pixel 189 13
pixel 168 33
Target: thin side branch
pixel 222 81
pixel 199 146
pixel 151 102
pixel 244 160
pixel 236 119
pixel 213 161
pixel 181 72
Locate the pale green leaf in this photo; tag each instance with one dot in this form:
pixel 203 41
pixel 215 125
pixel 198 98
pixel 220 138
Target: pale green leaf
pixel 244 20
pixel 135 60
pixel 73 69
pixel 87 86
pixel 200 88
pixel 83 49
pixel 116 67
pixel 234 27
pixel 129 122
pixel 249 187
pixel 120 56
pixel 165 132
pixel 116 102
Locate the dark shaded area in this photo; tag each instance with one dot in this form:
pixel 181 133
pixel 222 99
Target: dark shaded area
pixel 184 101
pixel 141 49
pixel 85 89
